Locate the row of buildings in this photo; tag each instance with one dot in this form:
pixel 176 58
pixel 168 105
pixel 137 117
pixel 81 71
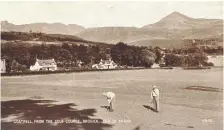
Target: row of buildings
pixel 51 65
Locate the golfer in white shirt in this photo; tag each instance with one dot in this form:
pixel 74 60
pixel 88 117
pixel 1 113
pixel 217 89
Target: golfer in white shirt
pixel 111 99
pixel 155 98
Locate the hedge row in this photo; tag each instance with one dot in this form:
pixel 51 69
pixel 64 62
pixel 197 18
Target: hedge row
pixel 62 71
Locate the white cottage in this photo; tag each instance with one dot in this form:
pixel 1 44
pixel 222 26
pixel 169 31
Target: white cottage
pixel 105 64
pixel 216 60
pixel 44 65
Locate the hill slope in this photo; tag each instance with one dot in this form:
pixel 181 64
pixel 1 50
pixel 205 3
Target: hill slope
pixel 38 38
pixel 115 34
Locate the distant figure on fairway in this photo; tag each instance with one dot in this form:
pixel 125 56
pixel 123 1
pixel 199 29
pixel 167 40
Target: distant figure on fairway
pixel 111 99
pixel 155 97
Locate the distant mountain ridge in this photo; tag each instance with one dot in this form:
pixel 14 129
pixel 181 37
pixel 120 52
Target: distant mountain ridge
pixel 173 27
pixel 50 28
pixel 179 21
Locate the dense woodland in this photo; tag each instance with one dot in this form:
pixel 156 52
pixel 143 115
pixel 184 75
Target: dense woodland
pixel 20 55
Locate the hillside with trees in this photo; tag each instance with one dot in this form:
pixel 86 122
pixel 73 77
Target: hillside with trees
pixel 33 37
pixel 22 49
pixel 20 56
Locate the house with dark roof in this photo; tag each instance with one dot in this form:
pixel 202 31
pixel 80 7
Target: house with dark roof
pixel 44 65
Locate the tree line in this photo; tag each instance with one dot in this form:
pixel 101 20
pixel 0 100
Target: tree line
pixel 67 55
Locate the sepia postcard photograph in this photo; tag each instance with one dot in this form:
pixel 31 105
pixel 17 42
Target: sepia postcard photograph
pixel 111 65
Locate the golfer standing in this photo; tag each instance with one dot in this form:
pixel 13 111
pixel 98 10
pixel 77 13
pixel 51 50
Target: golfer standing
pixel 155 97
pixel 111 99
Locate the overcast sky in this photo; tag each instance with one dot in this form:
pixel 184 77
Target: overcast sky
pixel 98 14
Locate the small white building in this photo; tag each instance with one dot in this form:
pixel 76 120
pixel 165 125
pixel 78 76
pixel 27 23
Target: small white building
pixel 105 64
pixel 44 65
pixel 3 65
pixel 155 66
pixel 216 60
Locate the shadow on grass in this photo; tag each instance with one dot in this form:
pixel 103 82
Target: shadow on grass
pixel 149 108
pixel 47 110
pixel 137 128
pixel 179 125
pixel 106 107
